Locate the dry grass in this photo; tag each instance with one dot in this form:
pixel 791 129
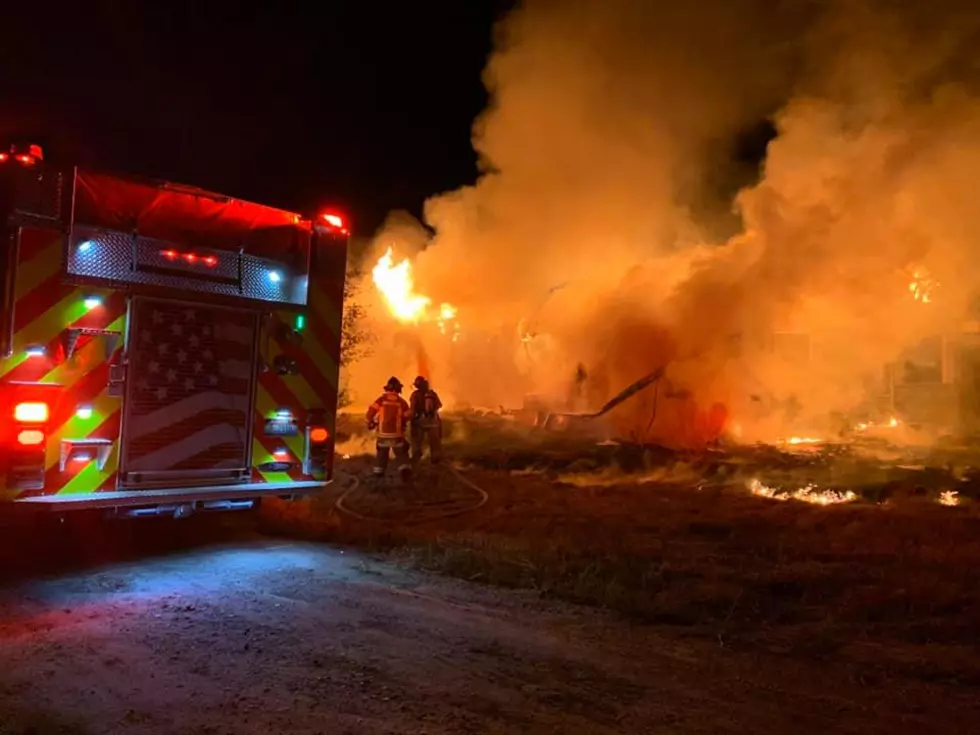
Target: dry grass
pixel 889 587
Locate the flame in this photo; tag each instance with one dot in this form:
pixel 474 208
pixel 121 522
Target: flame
pixel 397 287
pixel 892 423
pixel 447 321
pixel 807 494
pixel 802 440
pixel 949 497
pixel 922 286
pixel 396 284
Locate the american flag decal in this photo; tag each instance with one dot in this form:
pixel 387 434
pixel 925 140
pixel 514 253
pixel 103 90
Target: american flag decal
pixel 191 373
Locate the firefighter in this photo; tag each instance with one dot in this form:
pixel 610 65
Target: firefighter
pixel 388 416
pixel 426 422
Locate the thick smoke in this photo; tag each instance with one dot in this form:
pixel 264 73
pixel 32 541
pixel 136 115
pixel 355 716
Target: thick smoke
pixel 596 229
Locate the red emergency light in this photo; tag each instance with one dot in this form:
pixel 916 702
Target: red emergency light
pixel 22 158
pixel 191 258
pixel 334 221
pixel 26 155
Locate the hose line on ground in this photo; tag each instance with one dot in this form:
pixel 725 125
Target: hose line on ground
pixel 480 501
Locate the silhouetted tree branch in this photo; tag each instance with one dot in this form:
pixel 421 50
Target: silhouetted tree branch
pixel 355 341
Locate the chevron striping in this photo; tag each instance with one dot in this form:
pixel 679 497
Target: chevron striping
pixel 265 406
pixel 325 307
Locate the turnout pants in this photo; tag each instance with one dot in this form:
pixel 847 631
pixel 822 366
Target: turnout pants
pixel 385 448
pixel 426 434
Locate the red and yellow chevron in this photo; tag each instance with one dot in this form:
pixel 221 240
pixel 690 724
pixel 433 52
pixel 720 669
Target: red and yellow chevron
pixel 316 384
pixel 44 310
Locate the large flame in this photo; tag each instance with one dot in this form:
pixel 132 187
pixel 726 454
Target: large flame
pixel 397 287
pixel 396 284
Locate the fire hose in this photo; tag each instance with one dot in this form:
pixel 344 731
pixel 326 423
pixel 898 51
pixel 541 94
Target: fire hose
pixel 479 501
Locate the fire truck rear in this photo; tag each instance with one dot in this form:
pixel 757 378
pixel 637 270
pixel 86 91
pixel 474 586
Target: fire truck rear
pixel 163 349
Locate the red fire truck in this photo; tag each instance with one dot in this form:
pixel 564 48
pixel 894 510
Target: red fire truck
pixel 163 349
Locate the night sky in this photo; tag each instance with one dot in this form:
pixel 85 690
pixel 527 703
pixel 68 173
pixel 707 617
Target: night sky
pixel 363 105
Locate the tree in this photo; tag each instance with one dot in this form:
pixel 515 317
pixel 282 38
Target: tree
pixel 355 341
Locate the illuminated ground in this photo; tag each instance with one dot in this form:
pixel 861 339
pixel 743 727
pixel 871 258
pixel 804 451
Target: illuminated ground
pixel 689 545
pixel 254 635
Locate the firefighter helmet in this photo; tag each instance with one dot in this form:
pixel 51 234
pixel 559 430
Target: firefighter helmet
pixel 421 383
pixel 394 384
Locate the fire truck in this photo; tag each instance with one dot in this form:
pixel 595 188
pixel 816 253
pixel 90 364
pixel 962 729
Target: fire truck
pixel 163 349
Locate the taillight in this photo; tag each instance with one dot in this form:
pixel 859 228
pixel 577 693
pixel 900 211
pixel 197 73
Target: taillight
pixel 316 461
pixel 30 437
pixel 24 462
pixel 31 413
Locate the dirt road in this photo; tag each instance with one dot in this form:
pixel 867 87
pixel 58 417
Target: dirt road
pixel 264 636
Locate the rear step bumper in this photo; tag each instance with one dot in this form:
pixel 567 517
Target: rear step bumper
pixel 164 496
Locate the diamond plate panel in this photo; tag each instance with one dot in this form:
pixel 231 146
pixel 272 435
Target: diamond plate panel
pixel 269 281
pixel 123 259
pixel 103 255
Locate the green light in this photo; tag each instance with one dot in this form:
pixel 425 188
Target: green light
pixel 300 322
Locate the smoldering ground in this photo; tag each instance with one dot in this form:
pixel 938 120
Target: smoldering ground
pixel 599 224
